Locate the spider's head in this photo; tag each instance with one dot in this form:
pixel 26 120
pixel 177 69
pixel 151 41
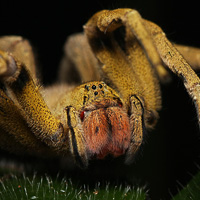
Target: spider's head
pixel 104 122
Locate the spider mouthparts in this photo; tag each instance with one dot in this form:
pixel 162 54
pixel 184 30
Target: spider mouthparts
pixel 107 131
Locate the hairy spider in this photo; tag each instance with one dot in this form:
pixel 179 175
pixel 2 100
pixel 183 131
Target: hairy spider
pixel 119 97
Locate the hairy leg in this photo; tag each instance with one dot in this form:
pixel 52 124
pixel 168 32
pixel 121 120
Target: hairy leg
pixel 191 54
pixel 176 63
pixel 79 58
pixel 148 77
pixel 34 109
pixel 20 49
pixel 15 134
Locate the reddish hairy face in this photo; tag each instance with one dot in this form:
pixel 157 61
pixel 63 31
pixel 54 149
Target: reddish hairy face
pixel 106 131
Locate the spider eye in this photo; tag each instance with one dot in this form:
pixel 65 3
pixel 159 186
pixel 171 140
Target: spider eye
pixel 120 104
pixel 82 115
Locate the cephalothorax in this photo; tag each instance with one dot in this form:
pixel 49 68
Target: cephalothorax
pixel 118 99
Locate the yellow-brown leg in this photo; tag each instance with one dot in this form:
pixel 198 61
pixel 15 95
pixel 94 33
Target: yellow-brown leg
pixel 35 111
pixel 176 63
pixel 15 135
pixel 191 54
pixel 108 21
pixel 137 126
pixel 20 49
pixel 78 57
pixel 8 143
pixel 149 78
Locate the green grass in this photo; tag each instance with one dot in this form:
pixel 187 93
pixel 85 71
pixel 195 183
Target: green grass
pixel 38 187
pixel 191 191
pixel 19 186
pixel 20 183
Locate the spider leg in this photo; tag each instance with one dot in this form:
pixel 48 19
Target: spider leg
pixel 20 49
pixel 149 79
pixel 176 63
pixel 191 54
pixel 15 135
pixel 8 143
pixel 78 56
pixel 44 125
pixel 108 21
pixel 137 126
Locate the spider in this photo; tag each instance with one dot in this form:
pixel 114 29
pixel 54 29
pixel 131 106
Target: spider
pixel 119 97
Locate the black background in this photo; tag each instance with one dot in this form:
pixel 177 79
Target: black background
pixel 171 153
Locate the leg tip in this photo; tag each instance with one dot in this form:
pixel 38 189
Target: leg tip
pixel 7 65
